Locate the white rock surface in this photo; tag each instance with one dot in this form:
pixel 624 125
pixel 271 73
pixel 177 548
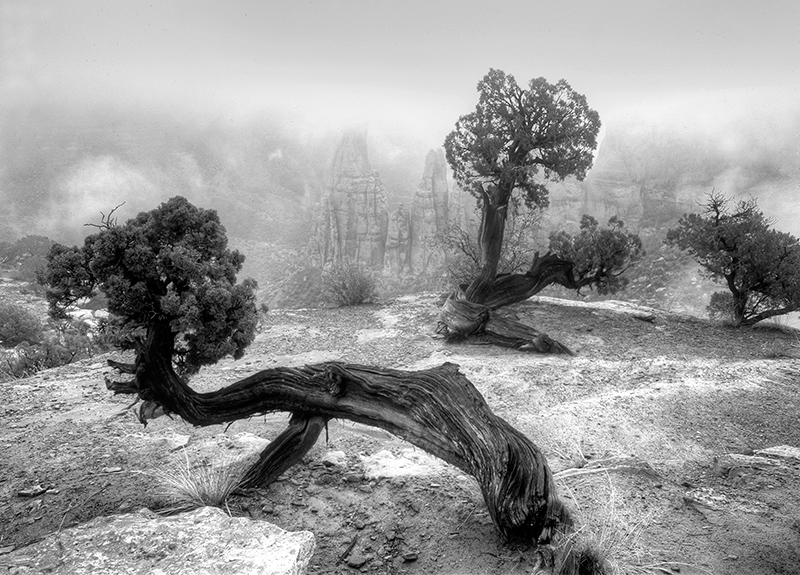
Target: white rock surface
pixel 204 541
pixel 408 463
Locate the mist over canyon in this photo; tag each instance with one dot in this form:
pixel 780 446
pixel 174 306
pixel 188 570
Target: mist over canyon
pixel 369 194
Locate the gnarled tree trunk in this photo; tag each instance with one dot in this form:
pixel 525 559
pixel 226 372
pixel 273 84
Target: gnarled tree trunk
pixel 475 321
pixel 438 410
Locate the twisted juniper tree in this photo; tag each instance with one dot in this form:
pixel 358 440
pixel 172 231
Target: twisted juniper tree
pixel 171 278
pixel 737 246
pixel 515 142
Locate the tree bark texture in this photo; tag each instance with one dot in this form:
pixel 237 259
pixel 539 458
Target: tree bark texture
pixel 490 240
pixel 438 410
pixel 467 314
pixel 477 322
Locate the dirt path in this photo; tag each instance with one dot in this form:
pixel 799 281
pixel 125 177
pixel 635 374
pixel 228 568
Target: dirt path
pixel 663 403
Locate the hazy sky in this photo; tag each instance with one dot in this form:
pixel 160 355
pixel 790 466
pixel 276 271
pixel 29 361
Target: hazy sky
pixel 414 62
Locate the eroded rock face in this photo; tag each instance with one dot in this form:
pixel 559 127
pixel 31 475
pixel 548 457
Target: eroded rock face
pixel 644 176
pixel 204 541
pixel 398 242
pixel 429 214
pixel 353 220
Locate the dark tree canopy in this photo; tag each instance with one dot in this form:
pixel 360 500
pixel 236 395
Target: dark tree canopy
pixel 170 265
pixel 599 256
pixel 504 153
pixel 517 138
pixel 736 245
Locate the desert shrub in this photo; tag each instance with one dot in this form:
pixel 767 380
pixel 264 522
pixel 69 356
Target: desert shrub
pixel 18 325
pixel 58 343
pixel 26 257
pixel 348 283
pixel 27 359
pixel 601 253
pixel 738 247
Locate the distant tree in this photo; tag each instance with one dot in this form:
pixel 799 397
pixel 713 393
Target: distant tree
pixel 515 142
pixel 27 247
pixel 169 275
pixel 18 325
pixel 27 256
pixel 738 246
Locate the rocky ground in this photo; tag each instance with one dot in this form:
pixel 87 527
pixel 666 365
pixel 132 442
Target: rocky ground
pixel 654 429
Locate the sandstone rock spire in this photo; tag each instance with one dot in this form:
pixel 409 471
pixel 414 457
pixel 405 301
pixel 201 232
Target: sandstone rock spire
pixel 353 219
pixel 429 214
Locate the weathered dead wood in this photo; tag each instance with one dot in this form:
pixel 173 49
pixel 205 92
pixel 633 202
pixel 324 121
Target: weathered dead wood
pixel 122 367
pixel 285 450
pixel 479 324
pixel 468 314
pixel 438 410
pixel 547 270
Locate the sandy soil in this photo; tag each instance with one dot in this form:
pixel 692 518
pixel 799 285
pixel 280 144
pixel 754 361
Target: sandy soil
pixel 639 426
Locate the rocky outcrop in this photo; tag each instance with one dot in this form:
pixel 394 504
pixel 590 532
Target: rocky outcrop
pixel 353 219
pixel 429 214
pixel 206 540
pixel 398 242
pixel 352 222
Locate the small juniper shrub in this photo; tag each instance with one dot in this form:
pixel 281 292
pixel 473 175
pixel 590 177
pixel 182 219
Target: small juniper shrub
pixel 18 325
pixel 348 283
pixel 32 346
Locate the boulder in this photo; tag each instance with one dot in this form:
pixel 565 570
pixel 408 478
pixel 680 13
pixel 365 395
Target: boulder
pixel 203 541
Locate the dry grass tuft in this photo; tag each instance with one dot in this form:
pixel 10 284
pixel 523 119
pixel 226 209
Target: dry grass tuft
pixel 609 537
pixel 184 485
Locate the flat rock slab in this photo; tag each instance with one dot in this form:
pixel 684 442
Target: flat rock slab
pixel 409 463
pixel 203 541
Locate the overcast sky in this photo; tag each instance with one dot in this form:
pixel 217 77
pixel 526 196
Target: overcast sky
pixel 414 62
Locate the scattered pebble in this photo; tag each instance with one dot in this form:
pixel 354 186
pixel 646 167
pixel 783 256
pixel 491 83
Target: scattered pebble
pixel 32 491
pixel 356 560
